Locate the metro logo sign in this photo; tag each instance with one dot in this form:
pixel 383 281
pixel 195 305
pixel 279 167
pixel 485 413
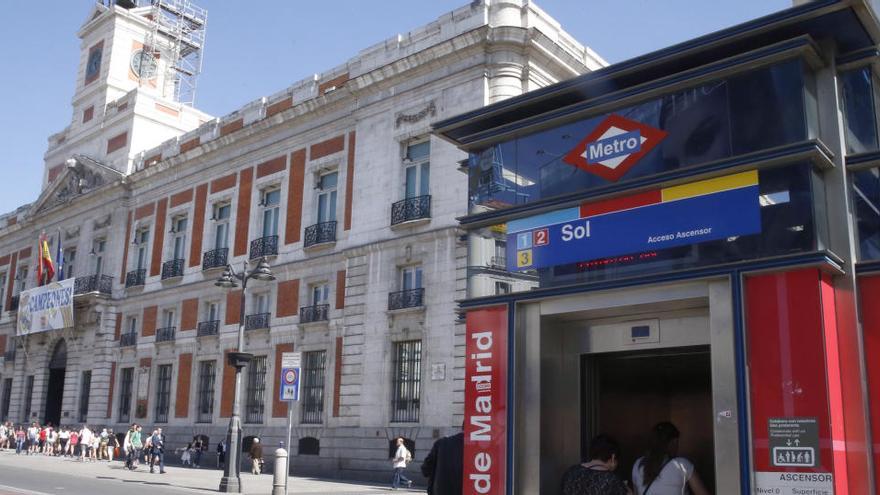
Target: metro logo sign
pixel 614 146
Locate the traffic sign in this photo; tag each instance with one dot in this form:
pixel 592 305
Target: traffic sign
pixel 290 371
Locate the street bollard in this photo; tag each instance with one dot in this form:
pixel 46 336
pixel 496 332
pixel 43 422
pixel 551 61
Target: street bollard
pixel 279 479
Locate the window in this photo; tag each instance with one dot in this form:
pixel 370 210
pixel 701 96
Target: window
pixel 28 397
pixel 212 310
pixel 256 390
pixel 327 197
pixel 313 387
pixel 260 303
pixel 168 318
pixel 84 391
pixel 206 392
pixel 406 381
pixel 163 393
pixel 222 212
pixel 418 169
pixel 411 278
pixel 125 394
pixel 98 247
pixel 319 294
pixel 178 239
pixel 142 240
pixel 69 263
pixel 7 398
pixel 132 324
pixel 502 288
pixel 271 200
pixel 2 288
pixel 499 260
pixel 22 278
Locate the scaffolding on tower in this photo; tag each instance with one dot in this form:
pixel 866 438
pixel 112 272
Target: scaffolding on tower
pixel 178 37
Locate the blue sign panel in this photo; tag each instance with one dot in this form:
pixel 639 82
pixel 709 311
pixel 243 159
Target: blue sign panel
pixel 662 225
pixel 289 384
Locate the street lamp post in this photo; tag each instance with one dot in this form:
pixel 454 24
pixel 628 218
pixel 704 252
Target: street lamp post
pixel 231 481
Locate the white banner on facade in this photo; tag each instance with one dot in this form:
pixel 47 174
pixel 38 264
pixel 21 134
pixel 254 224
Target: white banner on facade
pixel 49 307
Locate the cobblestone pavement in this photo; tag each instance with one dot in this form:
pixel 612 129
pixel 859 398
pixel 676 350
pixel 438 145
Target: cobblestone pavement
pixel 40 475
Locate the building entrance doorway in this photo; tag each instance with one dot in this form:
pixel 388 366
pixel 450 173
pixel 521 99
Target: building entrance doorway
pixel 55 386
pixel 627 393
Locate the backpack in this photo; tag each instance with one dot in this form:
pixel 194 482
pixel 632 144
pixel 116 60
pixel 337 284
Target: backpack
pixel 408 456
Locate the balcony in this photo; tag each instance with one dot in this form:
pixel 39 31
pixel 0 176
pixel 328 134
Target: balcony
pixel 314 313
pixel 172 268
pixel 264 246
pixel 101 284
pixel 136 278
pixel 404 299
pixel 215 258
pixel 165 334
pixel 257 321
pixel 13 303
pixel 411 209
pixel 320 233
pixel 128 339
pixel 206 328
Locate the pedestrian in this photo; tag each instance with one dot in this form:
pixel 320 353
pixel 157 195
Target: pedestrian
pixel 157 454
pixel 196 455
pixel 137 446
pixel 72 444
pixel 256 454
pixel 51 437
pixel 33 434
pixel 221 454
pixel 63 440
pixel 401 457
pixel 444 464
pixel 20 438
pixel 112 445
pixel 128 447
pixel 186 455
pixel 4 436
pixel 595 476
pixel 85 443
pixel 44 431
pixel 661 471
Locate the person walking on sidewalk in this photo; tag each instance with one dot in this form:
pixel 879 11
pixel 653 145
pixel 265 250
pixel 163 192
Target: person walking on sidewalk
pixel 157 451
pixel 20 436
pixel 443 466
pixel 401 457
pixel 221 454
pixel 256 457
pixel 112 445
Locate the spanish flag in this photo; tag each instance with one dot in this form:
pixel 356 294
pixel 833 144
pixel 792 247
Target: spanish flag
pixel 45 268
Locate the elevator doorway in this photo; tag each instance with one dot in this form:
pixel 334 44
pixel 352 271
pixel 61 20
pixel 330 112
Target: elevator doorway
pixel 626 393
pixel 55 385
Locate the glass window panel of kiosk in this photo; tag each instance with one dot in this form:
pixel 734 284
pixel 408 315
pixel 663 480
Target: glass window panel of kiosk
pixel 704 123
pixel 866 196
pixel 787 196
pixel 860 124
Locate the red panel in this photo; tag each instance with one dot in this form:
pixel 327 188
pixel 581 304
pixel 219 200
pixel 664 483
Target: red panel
pixel 485 402
pixel 622 203
pixel 786 358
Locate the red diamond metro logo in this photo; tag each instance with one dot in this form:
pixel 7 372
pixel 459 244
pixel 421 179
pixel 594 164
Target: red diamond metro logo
pixel 614 146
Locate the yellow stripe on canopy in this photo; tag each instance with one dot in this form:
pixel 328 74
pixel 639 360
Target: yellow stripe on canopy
pixel 709 186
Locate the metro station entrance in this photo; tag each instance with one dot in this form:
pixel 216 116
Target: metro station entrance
pixel 626 393
pixel 618 362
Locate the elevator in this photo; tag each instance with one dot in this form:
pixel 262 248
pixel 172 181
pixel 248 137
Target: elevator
pixel 617 362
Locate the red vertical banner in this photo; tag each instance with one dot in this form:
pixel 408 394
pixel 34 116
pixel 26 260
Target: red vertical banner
pixel 485 402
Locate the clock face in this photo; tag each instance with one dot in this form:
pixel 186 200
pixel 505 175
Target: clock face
pixel 94 63
pixel 143 64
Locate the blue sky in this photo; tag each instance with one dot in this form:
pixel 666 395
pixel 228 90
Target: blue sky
pixel 255 48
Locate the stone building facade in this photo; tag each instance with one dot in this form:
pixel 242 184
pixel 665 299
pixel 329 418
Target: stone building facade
pixel 335 181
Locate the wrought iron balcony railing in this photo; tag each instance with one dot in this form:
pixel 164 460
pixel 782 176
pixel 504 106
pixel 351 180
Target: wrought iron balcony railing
pixel 316 312
pixel 136 278
pixel 211 327
pixel 13 303
pixel 320 233
pixel 172 268
pixel 411 209
pixel 215 258
pixel 165 334
pixel 264 246
pixel 257 321
pixel 128 339
pixel 406 299
pixel 102 284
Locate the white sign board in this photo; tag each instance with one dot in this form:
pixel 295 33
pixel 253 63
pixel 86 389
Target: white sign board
pixel 779 483
pixel 45 308
pixel 291 359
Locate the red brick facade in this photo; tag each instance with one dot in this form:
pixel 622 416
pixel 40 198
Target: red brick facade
pixel 295 183
pixel 279 408
pixel 158 237
pixel 184 376
pixel 288 298
pixel 243 211
pixel 149 325
pixel 195 247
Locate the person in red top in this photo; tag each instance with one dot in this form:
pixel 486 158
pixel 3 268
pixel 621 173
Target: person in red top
pixel 72 443
pixel 43 432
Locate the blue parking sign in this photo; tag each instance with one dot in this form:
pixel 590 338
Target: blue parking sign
pixel 289 384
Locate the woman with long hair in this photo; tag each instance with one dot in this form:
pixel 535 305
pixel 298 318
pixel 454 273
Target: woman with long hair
pixel 661 471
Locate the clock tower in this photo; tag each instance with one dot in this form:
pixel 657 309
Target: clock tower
pixel 135 85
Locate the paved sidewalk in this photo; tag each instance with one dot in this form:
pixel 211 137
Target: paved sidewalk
pixel 114 478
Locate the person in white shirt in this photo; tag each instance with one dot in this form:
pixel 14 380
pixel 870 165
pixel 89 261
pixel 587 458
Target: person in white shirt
pixel 661 471
pixel 401 457
pixel 85 443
